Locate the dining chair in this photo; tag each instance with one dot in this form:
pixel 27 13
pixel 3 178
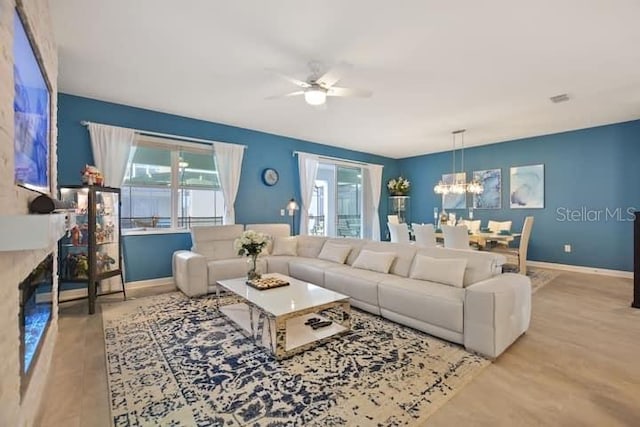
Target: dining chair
pixel 498 226
pixel 473 225
pixel 399 233
pixel 455 236
pixel 393 219
pixel 425 235
pixel 518 253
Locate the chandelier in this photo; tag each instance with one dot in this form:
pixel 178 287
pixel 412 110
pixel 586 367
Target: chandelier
pixel 459 184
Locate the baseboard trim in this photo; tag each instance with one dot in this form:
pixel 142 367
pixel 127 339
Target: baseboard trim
pixel 82 292
pixel 160 281
pixel 71 294
pixel 582 269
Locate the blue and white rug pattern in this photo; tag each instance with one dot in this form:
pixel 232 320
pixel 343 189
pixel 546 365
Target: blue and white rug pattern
pixel 175 361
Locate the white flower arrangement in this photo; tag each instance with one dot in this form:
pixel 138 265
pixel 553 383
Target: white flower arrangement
pixel 250 243
pixel 399 186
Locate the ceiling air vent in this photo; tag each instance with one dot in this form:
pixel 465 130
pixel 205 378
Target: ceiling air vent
pixel 559 98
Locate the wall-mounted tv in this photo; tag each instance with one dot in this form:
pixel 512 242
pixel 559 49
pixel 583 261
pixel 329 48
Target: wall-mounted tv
pixel 31 106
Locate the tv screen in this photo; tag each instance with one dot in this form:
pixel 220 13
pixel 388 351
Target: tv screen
pixel 31 114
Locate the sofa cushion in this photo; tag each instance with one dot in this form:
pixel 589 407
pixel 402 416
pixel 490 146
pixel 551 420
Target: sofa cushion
pixel 310 269
pixel 231 269
pixel 355 244
pixel 480 265
pixel 448 271
pixel 404 255
pixel 374 261
pixel 334 252
pixel 433 303
pixel 215 242
pixel 285 246
pixel 310 246
pixel 271 230
pixel 278 263
pixel 359 284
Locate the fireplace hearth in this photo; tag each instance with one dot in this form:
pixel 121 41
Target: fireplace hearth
pixel 35 314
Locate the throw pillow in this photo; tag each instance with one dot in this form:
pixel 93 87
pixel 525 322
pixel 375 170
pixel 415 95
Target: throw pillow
pixel 374 261
pixel 334 252
pixel 447 271
pixel 285 246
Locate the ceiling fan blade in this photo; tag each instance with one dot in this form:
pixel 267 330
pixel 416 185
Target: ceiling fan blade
pixel 343 91
pixel 329 78
pixel 296 93
pixel 290 79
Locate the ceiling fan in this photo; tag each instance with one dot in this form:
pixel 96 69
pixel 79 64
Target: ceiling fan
pixel 319 85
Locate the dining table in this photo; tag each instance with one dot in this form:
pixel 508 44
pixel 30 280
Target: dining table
pixel 480 238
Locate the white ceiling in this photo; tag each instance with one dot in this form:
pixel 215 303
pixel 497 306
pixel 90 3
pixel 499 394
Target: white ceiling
pixel 434 66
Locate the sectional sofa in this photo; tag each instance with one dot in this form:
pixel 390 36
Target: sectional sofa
pixel 458 295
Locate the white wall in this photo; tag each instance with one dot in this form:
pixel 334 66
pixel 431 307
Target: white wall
pixel 14 266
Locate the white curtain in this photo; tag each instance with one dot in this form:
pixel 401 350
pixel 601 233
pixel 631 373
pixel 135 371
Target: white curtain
pixel 111 148
pixel 228 158
pixel 372 186
pixel 308 168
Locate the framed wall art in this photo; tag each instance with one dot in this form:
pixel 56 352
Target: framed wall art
pixel 491 197
pixel 527 187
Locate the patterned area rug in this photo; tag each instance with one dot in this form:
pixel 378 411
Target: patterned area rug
pixel 540 277
pixel 175 361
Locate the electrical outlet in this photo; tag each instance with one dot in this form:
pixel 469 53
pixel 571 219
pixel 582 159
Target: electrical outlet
pixel 567 248
pixel 281 212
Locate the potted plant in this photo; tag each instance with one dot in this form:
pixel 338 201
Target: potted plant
pixel 251 243
pixel 398 186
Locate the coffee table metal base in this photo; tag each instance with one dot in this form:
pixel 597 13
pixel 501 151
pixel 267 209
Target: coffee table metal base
pixel 287 335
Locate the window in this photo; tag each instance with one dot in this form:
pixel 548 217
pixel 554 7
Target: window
pixel 336 206
pixel 319 208
pixel 170 184
pixel 349 207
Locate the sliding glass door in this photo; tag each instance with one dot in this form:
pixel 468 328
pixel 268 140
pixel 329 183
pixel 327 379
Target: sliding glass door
pixel 336 208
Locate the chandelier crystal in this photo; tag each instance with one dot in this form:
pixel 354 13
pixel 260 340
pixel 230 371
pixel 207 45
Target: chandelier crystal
pixel 459 186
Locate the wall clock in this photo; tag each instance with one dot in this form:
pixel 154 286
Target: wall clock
pixel 270 176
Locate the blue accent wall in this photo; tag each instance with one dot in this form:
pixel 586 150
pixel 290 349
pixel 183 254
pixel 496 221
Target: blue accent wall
pixel 586 172
pixel 150 255
pixel 255 203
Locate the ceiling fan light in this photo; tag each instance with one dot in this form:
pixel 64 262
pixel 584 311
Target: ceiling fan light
pixel 315 96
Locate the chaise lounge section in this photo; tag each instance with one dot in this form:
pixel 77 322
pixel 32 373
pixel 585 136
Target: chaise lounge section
pixel 458 295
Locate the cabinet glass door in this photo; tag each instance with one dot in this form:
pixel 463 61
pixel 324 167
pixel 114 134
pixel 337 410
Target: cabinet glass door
pixel 107 233
pixel 74 246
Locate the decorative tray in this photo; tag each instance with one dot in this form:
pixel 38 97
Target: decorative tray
pixel 265 283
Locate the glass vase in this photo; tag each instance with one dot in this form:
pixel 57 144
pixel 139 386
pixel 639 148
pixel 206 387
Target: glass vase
pixel 253 269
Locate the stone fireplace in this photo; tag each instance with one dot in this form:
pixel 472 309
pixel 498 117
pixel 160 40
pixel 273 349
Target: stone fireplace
pixel 35 315
pixel 19 406
pixel 28 311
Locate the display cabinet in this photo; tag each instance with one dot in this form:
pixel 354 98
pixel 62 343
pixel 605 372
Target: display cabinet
pixel 400 206
pixel 91 252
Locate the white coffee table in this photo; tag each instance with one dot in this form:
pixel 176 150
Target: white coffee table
pixel 283 311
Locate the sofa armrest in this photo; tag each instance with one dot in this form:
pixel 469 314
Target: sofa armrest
pixel 190 273
pixel 496 312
